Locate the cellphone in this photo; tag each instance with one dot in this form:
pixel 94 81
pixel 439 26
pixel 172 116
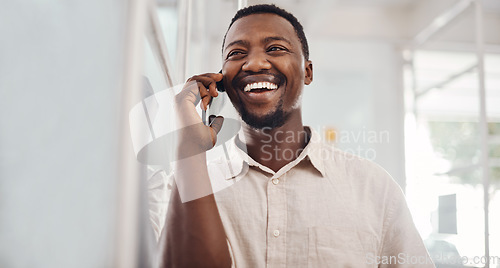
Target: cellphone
pixel 220 84
pixel 215 107
pixel 216 104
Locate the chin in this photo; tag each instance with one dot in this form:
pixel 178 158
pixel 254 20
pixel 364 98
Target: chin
pixel 272 120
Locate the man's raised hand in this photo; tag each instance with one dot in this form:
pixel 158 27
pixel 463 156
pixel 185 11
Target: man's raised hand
pixel 194 136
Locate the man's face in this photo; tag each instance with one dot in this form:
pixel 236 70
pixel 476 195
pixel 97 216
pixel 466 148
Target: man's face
pixel 264 69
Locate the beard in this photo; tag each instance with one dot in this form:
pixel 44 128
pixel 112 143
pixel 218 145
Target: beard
pixel 273 119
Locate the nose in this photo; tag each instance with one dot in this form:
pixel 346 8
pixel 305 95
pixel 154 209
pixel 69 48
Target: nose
pixel 256 62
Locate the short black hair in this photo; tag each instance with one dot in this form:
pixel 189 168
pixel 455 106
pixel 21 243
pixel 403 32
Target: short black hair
pixel 265 8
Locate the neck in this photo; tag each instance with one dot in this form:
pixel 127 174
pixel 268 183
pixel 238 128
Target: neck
pixel 274 148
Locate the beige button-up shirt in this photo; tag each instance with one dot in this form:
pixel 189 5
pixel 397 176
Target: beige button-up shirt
pixel 326 208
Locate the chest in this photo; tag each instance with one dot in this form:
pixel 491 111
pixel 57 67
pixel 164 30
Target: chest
pixel 297 219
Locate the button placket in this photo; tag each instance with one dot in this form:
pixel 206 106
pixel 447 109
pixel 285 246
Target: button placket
pixel 277 216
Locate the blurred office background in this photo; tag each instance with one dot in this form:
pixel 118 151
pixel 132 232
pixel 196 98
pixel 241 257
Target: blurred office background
pixel 413 85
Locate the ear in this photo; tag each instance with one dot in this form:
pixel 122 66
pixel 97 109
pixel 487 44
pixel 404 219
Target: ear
pixel 308 74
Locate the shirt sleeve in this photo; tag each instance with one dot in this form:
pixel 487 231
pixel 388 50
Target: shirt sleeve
pixel 159 189
pixel 402 245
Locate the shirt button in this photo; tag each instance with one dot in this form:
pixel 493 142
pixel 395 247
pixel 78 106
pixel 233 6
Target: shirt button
pixel 275 181
pixel 276 233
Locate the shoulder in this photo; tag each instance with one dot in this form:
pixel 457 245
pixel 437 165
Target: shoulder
pixel 344 165
pixel 353 167
pixel 363 178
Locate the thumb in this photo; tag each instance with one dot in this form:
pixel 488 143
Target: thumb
pixel 215 125
pixel 216 122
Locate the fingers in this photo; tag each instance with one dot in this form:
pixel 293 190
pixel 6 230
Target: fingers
pixel 204 95
pixel 215 76
pixel 207 87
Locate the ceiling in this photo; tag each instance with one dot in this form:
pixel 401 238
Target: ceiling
pixel 386 20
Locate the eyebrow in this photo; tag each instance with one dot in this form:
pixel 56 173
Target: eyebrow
pixel 276 38
pixel 238 42
pixel 266 40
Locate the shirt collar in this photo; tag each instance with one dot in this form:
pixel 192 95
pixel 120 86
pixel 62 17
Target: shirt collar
pixel 240 160
pixel 315 150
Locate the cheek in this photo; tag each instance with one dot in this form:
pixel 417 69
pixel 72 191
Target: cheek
pixel 229 71
pixel 232 95
pixel 294 69
pixel 295 80
pixel 230 91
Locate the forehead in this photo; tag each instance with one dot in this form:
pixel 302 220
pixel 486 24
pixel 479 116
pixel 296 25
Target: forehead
pixel 261 25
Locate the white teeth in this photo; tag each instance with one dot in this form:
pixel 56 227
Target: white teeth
pixel 255 85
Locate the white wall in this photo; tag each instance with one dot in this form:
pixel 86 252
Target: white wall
pixel 357 91
pixel 60 72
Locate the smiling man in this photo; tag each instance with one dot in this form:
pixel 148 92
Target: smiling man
pixel 294 201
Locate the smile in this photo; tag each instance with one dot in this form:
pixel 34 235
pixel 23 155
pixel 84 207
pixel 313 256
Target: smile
pixel 260 89
pixel 260 86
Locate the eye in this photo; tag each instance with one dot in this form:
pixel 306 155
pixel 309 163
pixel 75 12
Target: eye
pixel 276 48
pixel 235 53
